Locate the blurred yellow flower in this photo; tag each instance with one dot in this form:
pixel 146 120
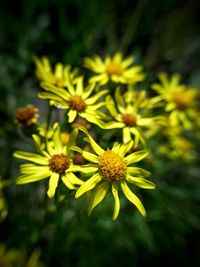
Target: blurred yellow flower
pixel 3 205
pixel 179 148
pixel 26 116
pixel 181 101
pixel 128 117
pixel 114 68
pixel 54 162
pixel 57 77
pixel 18 258
pixel 76 99
pixel 110 168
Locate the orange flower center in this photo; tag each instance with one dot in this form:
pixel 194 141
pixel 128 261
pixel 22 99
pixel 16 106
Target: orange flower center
pixel 77 103
pixel 112 166
pixel 114 69
pixel 183 99
pixel 129 119
pixel 26 115
pixel 59 163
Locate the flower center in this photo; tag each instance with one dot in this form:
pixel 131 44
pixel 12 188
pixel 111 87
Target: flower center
pixel 78 159
pixel 77 103
pixel 182 99
pixel 129 119
pixel 112 166
pixel 114 69
pixel 26 115
pixel 59 163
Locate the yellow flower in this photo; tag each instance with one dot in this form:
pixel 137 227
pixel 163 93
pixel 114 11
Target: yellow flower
pixel 3 205
pixel 114 68
pixel 128 117
pixel 26 116
pixel 110 168
pixel 18 258
pixel 57 77
pixel 54 162
pixel 76 99
pixel 181 101
pixel 179 147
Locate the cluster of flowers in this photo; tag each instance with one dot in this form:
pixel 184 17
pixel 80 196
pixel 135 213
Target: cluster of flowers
pixel 112 103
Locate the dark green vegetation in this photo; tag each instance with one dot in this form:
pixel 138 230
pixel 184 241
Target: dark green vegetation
pixel 163 35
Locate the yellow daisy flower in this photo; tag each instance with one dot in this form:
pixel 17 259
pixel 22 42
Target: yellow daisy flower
pixel 76 99
pixel 110 168
pixel 114 68
pixel 128 117
pixel 26 116
pixel 57 77
pixel 181 101
pixel 54 162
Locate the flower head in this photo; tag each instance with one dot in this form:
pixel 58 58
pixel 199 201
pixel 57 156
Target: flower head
pixel 181 101
pixel 54 162
pixel 26 116
pixel 76 99
pixel 114 68
pixel 127 116
pixel 111 168
pixel 57 77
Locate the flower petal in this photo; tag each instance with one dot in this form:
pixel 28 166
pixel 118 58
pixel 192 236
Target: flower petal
pixel 72 115
pixel 116 201
pixel 53 183
pixel 97 149
pixel 132 198
pixel 24 179
pixel 87 168
pixel 140 182
pixel 88 185
pixel 125 148
pixel 31 157
pixel 66 181
pixel 90 156
pixel 98 195
pixel 136 156
pixel 57 138
pixel 73 179
pixel 135 171
pixel 126 134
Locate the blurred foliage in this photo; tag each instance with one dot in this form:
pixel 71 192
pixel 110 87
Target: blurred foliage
pixel 164 35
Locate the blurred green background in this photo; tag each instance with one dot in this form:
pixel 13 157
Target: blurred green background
pixel 163 35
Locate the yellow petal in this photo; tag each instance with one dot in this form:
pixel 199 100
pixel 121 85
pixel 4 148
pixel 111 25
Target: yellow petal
pixel 90 156
pixel 116 201
pixel 53 183
pixel 125 148
pixel 66 181
pixel 132 198
pixel 88 185
pixel 31 157
pixel 135 171
pixel 136 156
pixel 97 149
pixel 126 134
pixel 72 115
pixel 57 138
pixel 79 86
pixel 140 182
pixel 73 179
pixel 98 195
pixel 24 178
